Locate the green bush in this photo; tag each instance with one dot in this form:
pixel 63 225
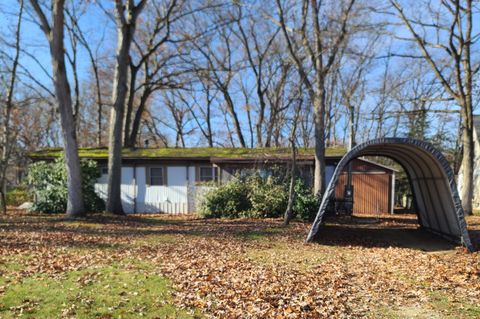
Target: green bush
pixel 48 183
pixel 267 196
pixel 306 203
pixel 255 196
pixel 17 196
pixel 227 200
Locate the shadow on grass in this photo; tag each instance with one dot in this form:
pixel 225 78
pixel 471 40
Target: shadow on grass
pixel 369 237
pixel 106 231
pixel 380 231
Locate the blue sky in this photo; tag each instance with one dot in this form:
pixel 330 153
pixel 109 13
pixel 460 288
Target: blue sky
pixel 96 25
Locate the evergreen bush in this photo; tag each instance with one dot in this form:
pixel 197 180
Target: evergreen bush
pixel 48 186
pixel 227 200
pixel 306 202
pixel 257 196
pixel 268 197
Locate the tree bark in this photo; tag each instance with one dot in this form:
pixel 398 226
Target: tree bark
pixel 55 35
pixel 125 32
pixel 291 192
pixel 131 97
pixel 233 114
pixel 351 126
pixel 319 114
pixel 467 166
pixel 132 138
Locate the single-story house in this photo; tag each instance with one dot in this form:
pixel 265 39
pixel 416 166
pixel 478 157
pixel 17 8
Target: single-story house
pixel 171 180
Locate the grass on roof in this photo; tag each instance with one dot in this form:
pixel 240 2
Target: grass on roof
pixel 187 152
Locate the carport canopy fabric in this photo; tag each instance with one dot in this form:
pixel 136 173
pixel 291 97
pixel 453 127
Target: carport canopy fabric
pixel 438 204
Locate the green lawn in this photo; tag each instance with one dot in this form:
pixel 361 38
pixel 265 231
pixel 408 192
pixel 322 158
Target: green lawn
pixel 124 289
pixel 107 291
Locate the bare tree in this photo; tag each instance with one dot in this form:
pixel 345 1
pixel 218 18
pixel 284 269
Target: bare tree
pixel 278 100
pixel 153 80
pixel 202 113
pixel 126 15
pixel 320 46
pixel 454 68
pixel 221 66
pixel 6 138
pixel 54 32
pixel 78 36
pixel 180 111
pixel 257 43
pixel 352 79
pixel 154 38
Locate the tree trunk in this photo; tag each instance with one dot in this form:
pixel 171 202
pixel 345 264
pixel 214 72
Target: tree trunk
pixel 291 192
pixel 468 142
pixel 114 201
pixel 75 205
pixel 351 127
pixel 467 167
pixel 132 139
pixel 236 122
pixel 319 114
pixel 100 107
pixel 83 41
pixel 261 112
pixel 125 17
pixel 128 116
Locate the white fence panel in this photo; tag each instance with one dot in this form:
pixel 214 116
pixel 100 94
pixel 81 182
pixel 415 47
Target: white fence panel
pixel 179 196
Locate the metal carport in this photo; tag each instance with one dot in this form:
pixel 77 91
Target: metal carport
pixel 439 207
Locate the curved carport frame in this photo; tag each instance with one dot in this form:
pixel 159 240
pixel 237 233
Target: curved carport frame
pixel 439 208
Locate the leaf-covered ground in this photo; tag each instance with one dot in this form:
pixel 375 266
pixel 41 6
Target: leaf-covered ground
pixel 182 267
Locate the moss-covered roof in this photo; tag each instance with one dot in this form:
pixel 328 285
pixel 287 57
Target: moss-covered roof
pixel 198 152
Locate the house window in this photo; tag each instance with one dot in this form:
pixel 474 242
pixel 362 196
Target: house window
pixel 104 170
pixel 157 176
pixel 207 174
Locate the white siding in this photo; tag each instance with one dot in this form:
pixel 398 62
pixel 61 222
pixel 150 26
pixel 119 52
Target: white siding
pixel 127 189
pixel 180 195
pixel 138 197
pixel 171 198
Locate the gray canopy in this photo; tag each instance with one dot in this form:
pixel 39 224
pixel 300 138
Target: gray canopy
pixel 438 205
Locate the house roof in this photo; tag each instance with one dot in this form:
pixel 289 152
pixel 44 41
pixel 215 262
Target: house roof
pixel 197 153
pixel 204 154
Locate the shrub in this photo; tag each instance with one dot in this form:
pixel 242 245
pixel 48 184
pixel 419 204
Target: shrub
pixel 268 197
pixel 255 196
pixel 48 182
pixel 306 203
pixel 227 200
pixel 17 196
